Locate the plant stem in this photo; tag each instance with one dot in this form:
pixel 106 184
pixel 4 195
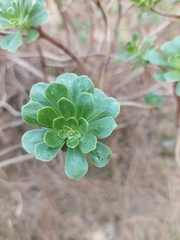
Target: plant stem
pixel 138 105
pixel 178 106
pixel 164 14
pixel 63 48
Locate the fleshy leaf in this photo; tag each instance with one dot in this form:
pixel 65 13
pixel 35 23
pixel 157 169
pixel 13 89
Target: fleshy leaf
pixel 77 135
pixel 59 123
pixel 72 123
pixel 169 48
pixel 157 59
pixel 39 19
pixel 66 108
pixel 54 92
pixel 102 128
pixel 31 138
pixel 46 116
pixel 67 79
pixel 176 41
pixel 51 138
pixel 83 126
pixel 159 76
pixel 81 84
pixel 12 41
pixel 84 106
pixel 173 76
pixel 45 153
pixel 107 107
pixel 4 23
pixel 29 113
pixel 72 143
pixel 75 164
pixel 87 143
pixel 32 35
pixel 173 62
pixel 153 99
pixel 101 155
pixel 98 96
pixel 177 89
pixel 62 134
pixel 37 7
pixel 37 93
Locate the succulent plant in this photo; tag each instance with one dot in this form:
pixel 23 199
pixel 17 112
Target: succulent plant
pixel 21 15
pixel 72 115
pixel 169 62
pixel 137 51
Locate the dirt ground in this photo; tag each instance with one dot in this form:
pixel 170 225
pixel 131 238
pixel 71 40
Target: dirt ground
pixel 136 196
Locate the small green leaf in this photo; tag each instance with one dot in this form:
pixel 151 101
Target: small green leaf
pixel 135 37
pixel 101 155
pixel 39 19
pixel 173 76
pixel 67 79
pixel 45 153
pixel 37 7
pixel 147 41
pixel 29 113
pixel 85 105
pixel 75 164
pixel 107 107
pixel 31 138
pixel 32 35
pixel 87 143
pixel 153 99
pixel 81 84
pixel 66 108
pixel 46 116
pixel 177 89
pixel 4 23
pixel 157 59
pixel 62 134
pixel 59 123
pixel 169 48
pixel 83 126
pixel 72 123
pixel 173 61
pixel 51 138
pixel 54 92
pixel 176 41
pixel 102 128
pixel 77 135
pixel 37 94
pixel 72 143
pixel 12 41
pixel 159 76
pixel 98 96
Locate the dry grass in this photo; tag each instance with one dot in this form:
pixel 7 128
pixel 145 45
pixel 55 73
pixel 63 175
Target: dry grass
pixel 136 196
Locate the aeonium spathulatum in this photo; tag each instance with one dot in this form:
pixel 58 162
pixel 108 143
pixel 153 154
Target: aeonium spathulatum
pixel 20 16
pixel 169 62
pixel 72 115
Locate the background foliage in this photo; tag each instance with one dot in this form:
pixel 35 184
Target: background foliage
pixel 137 193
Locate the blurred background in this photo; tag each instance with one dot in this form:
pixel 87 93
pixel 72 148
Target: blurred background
pixel 136 196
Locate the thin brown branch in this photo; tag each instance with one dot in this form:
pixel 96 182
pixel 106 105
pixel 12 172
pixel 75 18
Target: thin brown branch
pixel 138 105
pixel 178 107
pixel 16 160
pixel 108 44
pixel 165 14
pixel 62 47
